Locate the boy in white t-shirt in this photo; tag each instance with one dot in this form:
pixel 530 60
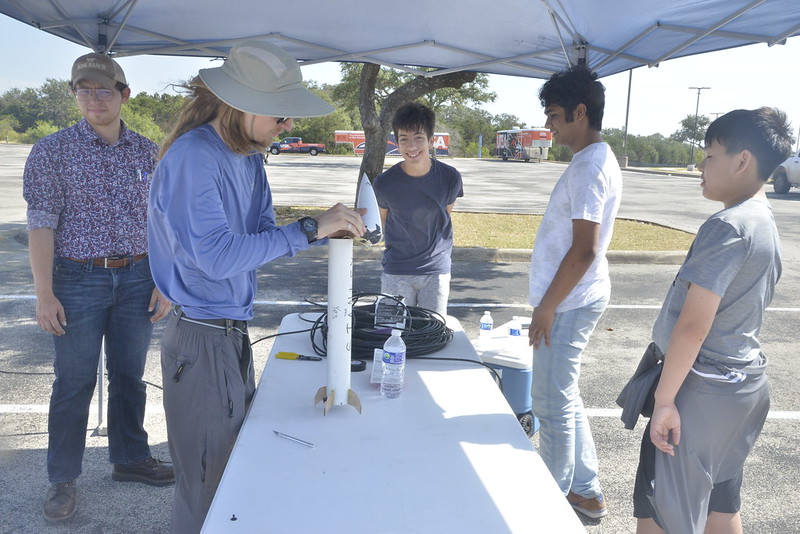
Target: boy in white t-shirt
pixel 569 281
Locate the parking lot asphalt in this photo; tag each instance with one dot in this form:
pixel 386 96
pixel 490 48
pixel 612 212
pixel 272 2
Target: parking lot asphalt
pixel 770 501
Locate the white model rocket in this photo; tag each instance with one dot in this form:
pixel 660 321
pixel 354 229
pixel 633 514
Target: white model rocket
pixel 365 198
pixel 340 311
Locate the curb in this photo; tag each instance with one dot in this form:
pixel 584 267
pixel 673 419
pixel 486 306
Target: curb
pixel 647 170
pixel 465 254
pixel 509 255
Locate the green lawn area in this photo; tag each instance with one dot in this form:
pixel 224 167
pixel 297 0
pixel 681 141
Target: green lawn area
pixel 500 230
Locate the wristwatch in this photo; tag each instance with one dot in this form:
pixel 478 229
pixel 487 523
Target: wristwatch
pixel 309 227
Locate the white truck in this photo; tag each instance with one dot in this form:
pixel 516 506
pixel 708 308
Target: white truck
pixel 787 175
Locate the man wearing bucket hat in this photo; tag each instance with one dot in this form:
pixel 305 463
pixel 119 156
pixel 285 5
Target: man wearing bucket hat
pixel 211 225
pixel 86 187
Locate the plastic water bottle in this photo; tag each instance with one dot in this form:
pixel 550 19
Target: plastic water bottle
pixel 516 341
pixel 487 324
pixel 394 364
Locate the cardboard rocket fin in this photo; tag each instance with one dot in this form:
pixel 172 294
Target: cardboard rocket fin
pixel 353 400
pixel 322 395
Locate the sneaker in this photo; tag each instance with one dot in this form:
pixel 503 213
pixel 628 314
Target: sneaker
pixel 151 471
pixel 61 503
pixel 593 507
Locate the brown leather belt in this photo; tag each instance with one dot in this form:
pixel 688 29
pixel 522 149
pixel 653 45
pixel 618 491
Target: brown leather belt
pixel 113 262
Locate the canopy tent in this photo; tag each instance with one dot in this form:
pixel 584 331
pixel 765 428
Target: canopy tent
pixel 531 38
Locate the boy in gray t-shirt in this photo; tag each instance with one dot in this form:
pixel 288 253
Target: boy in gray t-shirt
pixel 712 398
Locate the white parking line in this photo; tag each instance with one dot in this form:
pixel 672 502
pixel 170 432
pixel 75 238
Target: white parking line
pixel 159 409
pixel 450 305
pixel 616 412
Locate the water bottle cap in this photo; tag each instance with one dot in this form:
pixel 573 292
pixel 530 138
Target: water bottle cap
pixel 396 332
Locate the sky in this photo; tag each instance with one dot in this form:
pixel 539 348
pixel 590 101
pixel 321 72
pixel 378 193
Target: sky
pixel 744 77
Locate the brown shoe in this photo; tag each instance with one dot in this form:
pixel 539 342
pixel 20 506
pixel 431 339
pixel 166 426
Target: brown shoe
pixel 593 507
pixel 61 502
pixel 151 471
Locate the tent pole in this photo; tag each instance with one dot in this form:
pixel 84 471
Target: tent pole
pixel 627 114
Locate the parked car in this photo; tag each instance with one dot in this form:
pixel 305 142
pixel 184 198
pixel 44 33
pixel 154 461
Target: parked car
pixel 787 175
pixel 296 144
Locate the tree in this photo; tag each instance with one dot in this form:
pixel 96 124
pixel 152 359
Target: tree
pixel 142 124
pixel 504 121
pixel 57 103
pixel 321 129
pixel 23 104
pixel 53 103
pixel 7 125
pixel 466 124
pixel 379 93
pixel 690 132
pixel 161 108
pixel 39 130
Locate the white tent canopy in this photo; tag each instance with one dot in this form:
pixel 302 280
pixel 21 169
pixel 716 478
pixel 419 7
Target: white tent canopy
pixel 531 38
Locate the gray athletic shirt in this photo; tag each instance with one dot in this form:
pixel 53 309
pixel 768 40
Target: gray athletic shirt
pixel 737 256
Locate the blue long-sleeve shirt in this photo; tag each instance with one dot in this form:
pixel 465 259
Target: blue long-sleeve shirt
pixel 211 224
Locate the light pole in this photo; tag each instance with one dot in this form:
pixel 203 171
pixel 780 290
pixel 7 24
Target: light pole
pixel 694 131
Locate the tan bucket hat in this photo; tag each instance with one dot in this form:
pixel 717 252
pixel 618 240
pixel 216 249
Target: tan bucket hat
pixel 262 79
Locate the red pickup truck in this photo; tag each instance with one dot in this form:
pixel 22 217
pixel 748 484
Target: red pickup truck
pixel 296 144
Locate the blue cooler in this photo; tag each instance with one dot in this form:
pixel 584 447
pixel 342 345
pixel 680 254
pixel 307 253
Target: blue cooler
pixel 513 359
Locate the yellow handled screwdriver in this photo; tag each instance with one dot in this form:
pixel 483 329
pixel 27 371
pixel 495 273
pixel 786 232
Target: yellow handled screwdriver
pixel 294 356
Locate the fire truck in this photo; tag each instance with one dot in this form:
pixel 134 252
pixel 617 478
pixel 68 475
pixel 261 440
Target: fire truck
pixel 524 143
pixel 441 142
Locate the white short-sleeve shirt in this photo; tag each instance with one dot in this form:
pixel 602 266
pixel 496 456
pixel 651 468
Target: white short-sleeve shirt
pixel 589 189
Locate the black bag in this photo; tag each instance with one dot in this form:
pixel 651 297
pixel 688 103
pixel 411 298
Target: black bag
pixel 638 395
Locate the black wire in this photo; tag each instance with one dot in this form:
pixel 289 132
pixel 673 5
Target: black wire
pixel 488 367
pixel 425 331
pixel 279 334
pixel 50 373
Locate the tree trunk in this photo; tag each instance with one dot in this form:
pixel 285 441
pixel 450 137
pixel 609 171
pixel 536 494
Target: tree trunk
pixel 378 126
pixel 375 133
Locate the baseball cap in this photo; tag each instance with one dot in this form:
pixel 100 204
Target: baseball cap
pixel 261 78
pixel 99 68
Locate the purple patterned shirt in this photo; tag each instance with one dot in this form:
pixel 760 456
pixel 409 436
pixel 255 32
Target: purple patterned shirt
pixel 92 194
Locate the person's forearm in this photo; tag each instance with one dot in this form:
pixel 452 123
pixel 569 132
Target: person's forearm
pixel 41 245
pixel 684 345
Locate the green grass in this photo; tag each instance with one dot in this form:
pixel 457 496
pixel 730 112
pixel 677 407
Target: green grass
pixel 500 230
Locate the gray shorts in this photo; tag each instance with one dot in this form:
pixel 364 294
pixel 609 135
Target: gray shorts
pixel 720 423
pixel 429 291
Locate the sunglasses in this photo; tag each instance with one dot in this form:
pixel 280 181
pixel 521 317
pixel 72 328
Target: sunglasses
pixel 103 95
pixel 282 120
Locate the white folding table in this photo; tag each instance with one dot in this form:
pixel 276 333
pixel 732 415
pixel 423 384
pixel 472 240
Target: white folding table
pixel 447 456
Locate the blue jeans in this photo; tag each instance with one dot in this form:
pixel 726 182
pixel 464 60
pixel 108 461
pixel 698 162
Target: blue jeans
pixel 565 440
pixel 99 302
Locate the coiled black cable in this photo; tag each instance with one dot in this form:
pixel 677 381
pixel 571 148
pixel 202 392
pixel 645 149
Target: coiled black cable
pixel 425 331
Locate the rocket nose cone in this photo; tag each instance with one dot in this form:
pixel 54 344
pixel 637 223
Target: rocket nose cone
pixel 372 218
